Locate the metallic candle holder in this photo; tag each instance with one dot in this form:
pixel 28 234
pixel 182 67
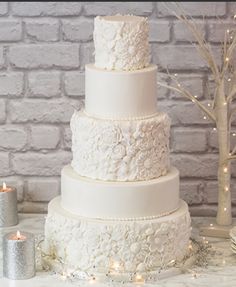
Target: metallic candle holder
pixel 8 206
pixel 19 255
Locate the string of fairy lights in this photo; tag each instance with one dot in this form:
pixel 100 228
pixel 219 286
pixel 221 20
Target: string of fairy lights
pixel 199 249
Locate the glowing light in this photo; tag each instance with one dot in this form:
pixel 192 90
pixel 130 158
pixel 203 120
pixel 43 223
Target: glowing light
pixel 4 186
pixel 225 209
pixel 92 280
pixel 139 278
pixel 179 85
pixel 227 59
pixel 115 265
pixel 225 169
pixel 64 276
pixel 193 101
pixel 195 97
pixel 226 188
pixel 214 129
pixel 227 31
pixel 176 75
pixel 211 225
pixel 18 235
pixel 233 134
pixel 224 104
pixel 208 104
pixel 204 117
pixel 229 79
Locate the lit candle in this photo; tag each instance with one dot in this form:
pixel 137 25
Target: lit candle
pixel 8 206
pixel 19 255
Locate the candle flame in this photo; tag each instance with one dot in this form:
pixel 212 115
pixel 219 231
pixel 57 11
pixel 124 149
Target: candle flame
pixel 4 186
pixel 18 235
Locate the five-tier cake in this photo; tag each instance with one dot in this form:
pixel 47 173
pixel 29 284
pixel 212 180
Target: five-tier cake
pixel 119 199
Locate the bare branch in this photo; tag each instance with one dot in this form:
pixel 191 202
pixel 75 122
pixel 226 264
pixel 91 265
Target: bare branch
pixel 204 48
pixel 231 157
pixel 185 93
pixel 232 94
pixel 227 54
pixel 231 116
pixel 233 151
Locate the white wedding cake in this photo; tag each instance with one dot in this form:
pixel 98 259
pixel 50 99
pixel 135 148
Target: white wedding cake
pixel 119 203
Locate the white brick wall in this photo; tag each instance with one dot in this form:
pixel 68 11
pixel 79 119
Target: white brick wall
pixel 43 49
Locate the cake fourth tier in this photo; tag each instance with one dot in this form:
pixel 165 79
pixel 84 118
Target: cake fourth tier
pixel 120 150
pixel 93 246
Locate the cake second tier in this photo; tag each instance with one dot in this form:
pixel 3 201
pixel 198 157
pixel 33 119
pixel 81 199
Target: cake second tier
pixel 120 150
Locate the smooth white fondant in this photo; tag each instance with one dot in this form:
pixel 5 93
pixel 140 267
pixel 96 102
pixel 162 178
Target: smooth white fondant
pixel 119 200
pixel 120 94
pixel 121 42
pixel 132 150
pixel 93 245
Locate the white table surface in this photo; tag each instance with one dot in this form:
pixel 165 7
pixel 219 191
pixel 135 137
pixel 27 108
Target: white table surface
pixel 221 270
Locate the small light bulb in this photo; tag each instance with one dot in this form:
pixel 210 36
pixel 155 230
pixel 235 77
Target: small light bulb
pixel 229 79
pixel 208 104
pixel 115 265
pixel 139 278
pixel 211 224
pixel 195 97
pixel 179 85
pixel 233 134
pixel 225 169
pixel 4 186
pixel 224 104
pixel 225 209
pixel 226 188
pixel 64 276
pixel 176 75
pixel 227 59
pixel 92 280
pixel 227 31
pixel 18 235
pixel 214 129
pixel 204 117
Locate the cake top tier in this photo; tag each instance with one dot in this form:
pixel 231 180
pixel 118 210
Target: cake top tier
pixel 121 42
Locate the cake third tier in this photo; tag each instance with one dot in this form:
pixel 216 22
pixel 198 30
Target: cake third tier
pixel 124 150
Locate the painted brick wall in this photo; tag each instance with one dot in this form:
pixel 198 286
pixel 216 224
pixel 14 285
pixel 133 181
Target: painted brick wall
pixel 43 49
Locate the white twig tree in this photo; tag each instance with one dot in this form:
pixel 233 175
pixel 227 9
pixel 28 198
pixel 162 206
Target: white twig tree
pixel 221 110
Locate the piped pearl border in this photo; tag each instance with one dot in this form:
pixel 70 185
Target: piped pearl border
pixel 122 119
pixel 133 218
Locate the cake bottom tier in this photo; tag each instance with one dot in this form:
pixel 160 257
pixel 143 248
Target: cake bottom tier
pixel 95 245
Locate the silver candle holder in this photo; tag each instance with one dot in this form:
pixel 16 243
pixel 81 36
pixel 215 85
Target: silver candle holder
pixel 8 206
pixel 19 255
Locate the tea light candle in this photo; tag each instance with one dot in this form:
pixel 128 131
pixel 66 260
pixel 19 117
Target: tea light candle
pixel 19 255
pixel 8 206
